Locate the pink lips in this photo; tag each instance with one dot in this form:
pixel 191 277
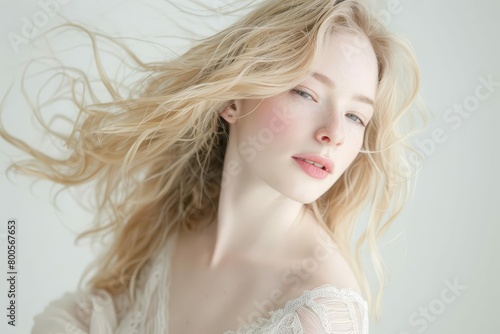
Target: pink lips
pixel 312 170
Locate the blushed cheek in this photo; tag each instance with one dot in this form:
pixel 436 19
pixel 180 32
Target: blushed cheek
pixel 279 124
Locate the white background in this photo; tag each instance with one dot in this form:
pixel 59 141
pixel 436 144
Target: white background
pixel 448 233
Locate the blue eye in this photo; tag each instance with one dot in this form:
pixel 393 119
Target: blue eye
pixel 355 118
pixel 302 94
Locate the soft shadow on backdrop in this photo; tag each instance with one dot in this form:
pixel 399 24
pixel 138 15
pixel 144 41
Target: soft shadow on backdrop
pixel 441 252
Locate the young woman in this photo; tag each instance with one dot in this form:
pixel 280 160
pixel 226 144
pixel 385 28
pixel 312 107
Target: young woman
pixel 231 178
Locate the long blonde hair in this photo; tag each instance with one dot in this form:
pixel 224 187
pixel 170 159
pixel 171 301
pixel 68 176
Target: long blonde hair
pixel 156 155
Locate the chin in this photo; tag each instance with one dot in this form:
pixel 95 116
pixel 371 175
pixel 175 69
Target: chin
pixel 302 192
pixel 304 197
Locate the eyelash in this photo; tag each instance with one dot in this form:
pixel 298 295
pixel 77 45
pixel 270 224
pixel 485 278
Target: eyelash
pixel 300 92
pixel 360 121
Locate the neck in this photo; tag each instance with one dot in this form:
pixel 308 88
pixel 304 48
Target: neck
pixel 253 219
pixel 252 222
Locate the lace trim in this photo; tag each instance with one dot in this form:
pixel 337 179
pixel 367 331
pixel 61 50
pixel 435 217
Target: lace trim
pixel 306 298
pixel 321 312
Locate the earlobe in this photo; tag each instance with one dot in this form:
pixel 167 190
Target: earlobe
pixel 229 113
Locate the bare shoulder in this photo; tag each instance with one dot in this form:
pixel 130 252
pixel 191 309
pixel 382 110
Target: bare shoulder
pixel 324 263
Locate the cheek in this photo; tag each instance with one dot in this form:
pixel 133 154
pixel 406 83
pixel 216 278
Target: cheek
pixel 354 137
pixel 279 124
pixel 351 147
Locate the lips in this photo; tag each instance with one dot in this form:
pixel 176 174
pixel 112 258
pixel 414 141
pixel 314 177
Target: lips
pixel 316 160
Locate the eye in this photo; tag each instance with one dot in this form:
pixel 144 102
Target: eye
pixel 303 94
pixel 356 119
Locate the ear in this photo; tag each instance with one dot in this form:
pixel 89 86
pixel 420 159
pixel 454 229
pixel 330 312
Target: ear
pixel 230 113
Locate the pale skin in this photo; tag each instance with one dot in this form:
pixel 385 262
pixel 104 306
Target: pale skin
pixel 262 229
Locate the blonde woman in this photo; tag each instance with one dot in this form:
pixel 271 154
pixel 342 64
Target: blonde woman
pixel 232 177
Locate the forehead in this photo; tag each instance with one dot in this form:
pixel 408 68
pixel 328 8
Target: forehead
pixel 349 60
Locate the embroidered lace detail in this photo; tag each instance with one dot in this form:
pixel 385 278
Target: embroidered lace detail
pixel 285 320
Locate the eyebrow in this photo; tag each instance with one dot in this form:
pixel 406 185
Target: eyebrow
pixel 331 84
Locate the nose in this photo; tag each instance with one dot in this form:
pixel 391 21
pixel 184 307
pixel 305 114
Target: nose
pixel 331 132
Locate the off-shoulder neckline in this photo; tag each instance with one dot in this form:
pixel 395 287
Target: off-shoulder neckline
pixel 325 290
pixel 291 305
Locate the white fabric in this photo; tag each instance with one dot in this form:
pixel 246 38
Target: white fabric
pixel 325 309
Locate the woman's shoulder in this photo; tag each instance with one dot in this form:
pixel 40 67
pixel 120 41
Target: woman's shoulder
pixel 81 311
pixel 320 295
pixel 325 309
pixel 321 260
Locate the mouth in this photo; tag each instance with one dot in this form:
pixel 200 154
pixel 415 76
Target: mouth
pixel 316 160
pixel 313 163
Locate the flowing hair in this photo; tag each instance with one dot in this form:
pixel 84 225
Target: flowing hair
pixel 155 154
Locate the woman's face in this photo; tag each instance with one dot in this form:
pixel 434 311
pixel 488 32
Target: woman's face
pixel 315 120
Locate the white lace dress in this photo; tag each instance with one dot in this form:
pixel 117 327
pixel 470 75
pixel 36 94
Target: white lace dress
pixel 325 309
